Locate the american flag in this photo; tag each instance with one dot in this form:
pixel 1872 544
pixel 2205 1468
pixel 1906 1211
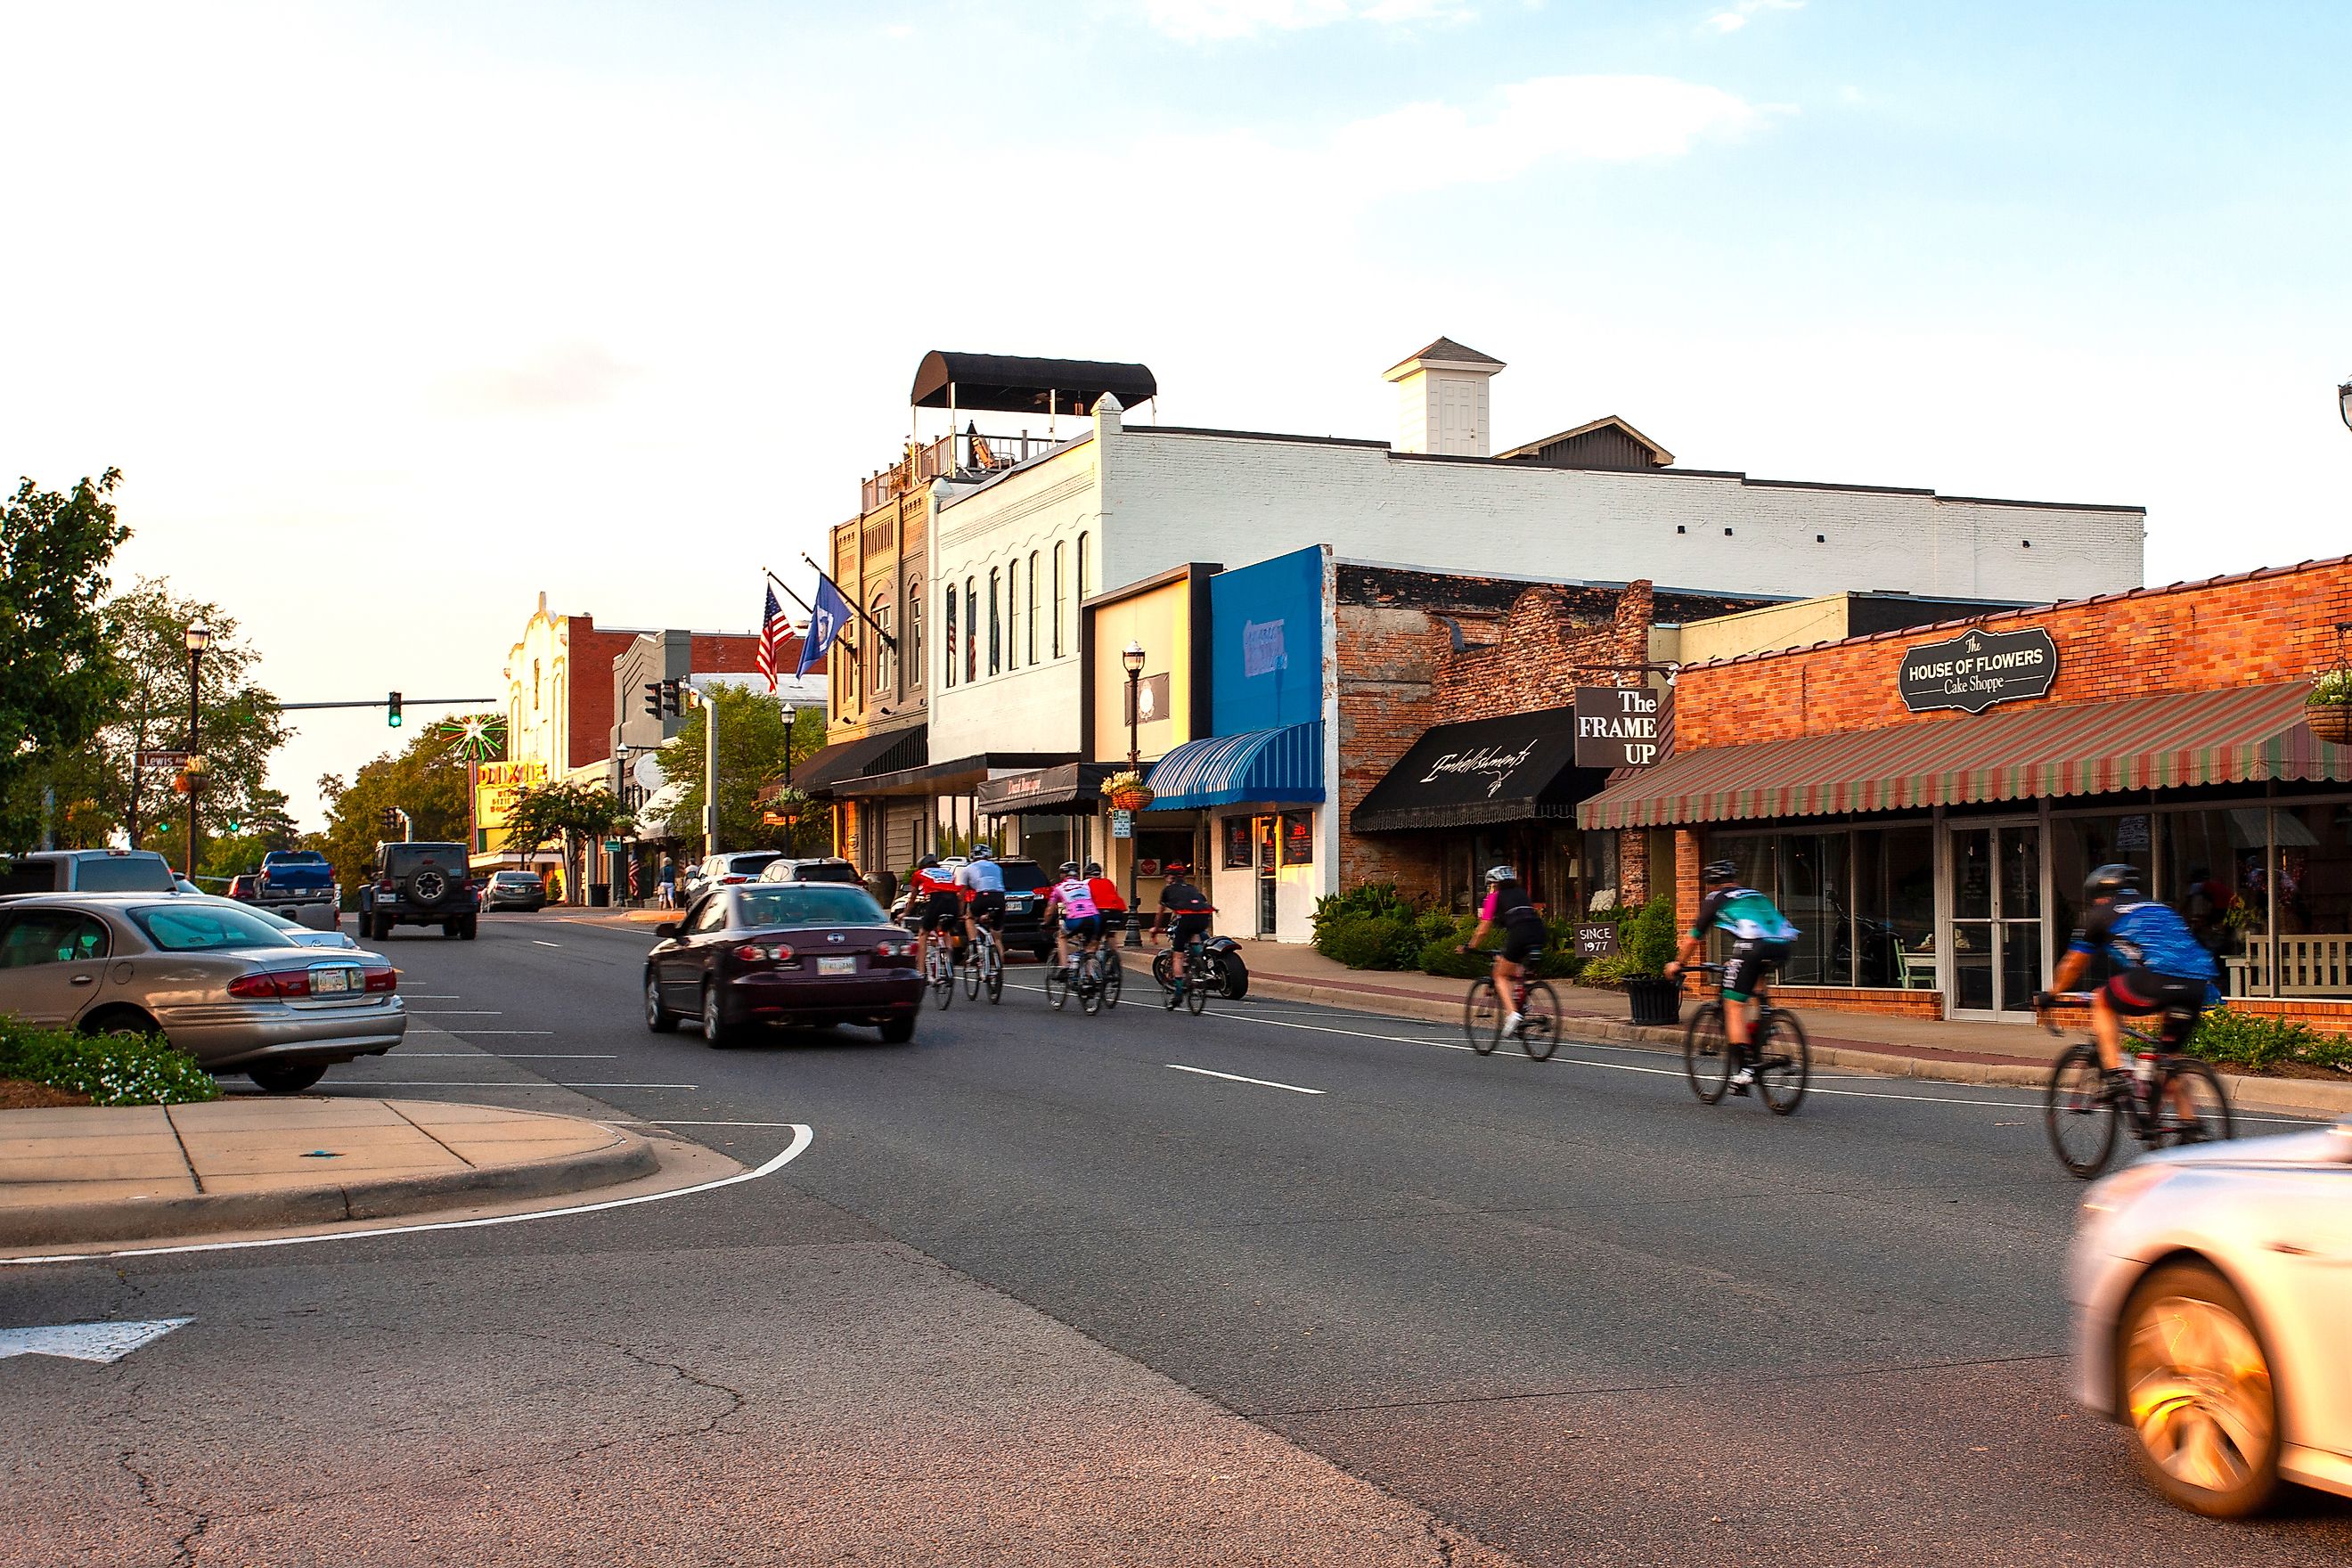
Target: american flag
pixel 774 627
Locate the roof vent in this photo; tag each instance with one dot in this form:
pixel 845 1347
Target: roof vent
pixel 1442 407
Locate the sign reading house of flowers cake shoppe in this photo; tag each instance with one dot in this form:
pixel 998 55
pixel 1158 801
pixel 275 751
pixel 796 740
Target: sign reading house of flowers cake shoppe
pixel 1977 668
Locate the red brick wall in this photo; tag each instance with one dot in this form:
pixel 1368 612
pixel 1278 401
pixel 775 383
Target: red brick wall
pixel 1400 674
pixel 588 660
pixel 2245 630
pixel 2329 1017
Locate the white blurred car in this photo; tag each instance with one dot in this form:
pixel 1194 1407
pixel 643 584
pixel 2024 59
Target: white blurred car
pixel 2213 1298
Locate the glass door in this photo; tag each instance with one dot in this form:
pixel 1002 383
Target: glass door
pixel 1996 945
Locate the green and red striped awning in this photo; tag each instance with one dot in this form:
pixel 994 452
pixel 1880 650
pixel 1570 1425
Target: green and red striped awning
pixel 2242 735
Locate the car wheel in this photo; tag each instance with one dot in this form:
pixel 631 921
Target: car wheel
pixel 2196 1389
pixel 716 1031
pixel 449 930
pixel 897 1031
pixel 121 1021
pixel 287 1078
pixel 471 927
pixel 658 1018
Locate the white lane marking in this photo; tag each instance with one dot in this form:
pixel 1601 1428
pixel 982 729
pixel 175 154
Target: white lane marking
pixel 508 1056
pixel 1236 1078
pixel 803 1136
pixel 462 1029
pixel 454 1013
pixel 633 1122
pixel 430 996
pixel 375 1084
pixel 100 1343
pixel 536 943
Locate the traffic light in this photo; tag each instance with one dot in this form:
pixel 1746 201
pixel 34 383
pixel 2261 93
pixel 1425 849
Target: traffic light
pixel 673 697
pixel 654 699
pixel 390 821
pixel 391 710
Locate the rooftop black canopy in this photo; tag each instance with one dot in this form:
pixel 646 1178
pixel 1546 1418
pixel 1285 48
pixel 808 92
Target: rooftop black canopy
pixel 1007 384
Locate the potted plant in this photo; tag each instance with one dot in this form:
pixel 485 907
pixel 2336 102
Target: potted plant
pixel 1645 945
pixel 1126 790
pixel 2328 708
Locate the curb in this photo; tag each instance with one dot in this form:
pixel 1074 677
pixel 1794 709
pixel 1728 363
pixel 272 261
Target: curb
pixel 2293 1097
pixel 627 1157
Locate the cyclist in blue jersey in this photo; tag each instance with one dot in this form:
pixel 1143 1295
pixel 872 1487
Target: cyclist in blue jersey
pixel 982 881
pixel 2154 963
pixel 1761 940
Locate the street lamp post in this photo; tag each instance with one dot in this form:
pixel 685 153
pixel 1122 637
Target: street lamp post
pixel 792 828
pixel 1133 659
pixel 199 637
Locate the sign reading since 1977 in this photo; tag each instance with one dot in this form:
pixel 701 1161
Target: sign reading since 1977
pixel 1977 669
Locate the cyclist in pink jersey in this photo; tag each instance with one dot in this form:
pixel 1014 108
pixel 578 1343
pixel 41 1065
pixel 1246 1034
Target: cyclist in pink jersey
pixel 1072 905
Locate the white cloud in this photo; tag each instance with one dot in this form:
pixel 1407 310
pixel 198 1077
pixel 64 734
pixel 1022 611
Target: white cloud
pixel 556 378
pixel 1738 15
pixel 1193 21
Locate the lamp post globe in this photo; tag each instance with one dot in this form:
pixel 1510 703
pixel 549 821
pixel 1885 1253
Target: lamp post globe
pixel 199 637
pixel 2344 403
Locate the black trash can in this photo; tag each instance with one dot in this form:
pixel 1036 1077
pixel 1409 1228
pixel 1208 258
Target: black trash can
pixel 600 894
pixel 1658 1003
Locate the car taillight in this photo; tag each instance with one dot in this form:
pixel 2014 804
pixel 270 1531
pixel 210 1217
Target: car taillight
pixel 387 885
pixel 271 984
pixel 895 949
pixel 759 952
pixel 382 980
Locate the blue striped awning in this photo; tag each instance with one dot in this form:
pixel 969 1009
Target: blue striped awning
pixel 1260 766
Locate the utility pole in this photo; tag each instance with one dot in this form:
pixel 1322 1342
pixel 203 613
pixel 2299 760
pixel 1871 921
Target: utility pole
pixel 1133 658
pixel 199 637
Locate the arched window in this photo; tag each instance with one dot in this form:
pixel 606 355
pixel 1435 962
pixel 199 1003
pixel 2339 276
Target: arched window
pixel 915 635
pixel 1013 614
pixel 995 632
pixel 1082 569
pixel 1032 606
pixel 948 648
pixel 971 629
pixel 1061 614
pixel 885 684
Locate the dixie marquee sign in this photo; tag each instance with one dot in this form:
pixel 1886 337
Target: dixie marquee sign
pixel 1977 669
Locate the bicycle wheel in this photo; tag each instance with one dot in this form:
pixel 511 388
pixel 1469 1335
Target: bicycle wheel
pixel 1201 976
pixel 970 967
pixel 1057 985
pixel 995 973
pixel 2078 1111
pixel 1539 1022
pixel 942 976
pixel 1163 968
pixel 1088 985
pixel 2188 1079
pixel 1784 1062
pixel 1707 1054
pixel 1482 1015
pixel 1114 976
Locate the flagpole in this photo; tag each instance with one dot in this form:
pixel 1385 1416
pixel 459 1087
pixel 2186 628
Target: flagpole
pixel 855 608
pixel 787 587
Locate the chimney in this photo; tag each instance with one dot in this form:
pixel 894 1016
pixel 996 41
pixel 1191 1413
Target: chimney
pixel 1442 405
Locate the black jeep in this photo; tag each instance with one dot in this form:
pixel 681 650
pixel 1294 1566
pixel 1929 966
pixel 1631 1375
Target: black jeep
pixel 419 884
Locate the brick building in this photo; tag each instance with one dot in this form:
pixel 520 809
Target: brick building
pixel 1926 803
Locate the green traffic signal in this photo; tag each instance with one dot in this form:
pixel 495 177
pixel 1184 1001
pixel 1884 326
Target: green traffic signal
pixel 391 710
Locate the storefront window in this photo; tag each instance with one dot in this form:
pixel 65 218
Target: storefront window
pixel 1894 940
pixel 2314 899
pixel 1862 900
pixel 1813 894
pixel 2080 846
pixel 2208 865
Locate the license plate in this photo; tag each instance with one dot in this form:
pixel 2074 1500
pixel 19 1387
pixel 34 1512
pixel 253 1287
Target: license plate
pixel 334 982
pixel 1017 905
pixel 844 964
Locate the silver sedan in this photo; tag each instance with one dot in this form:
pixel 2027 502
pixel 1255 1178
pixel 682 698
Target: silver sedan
pixel 2213 1291
pixel 214 978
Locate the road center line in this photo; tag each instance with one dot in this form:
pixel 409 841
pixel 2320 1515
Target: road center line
pixel 461 1029
pixel 1236 1078
pixel 455 1012
pixel 803 1136
pixel 513 1057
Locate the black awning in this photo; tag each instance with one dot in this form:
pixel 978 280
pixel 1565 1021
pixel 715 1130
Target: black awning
pixel 867 755
pixel 1070 790
pixel 1006 384
pixel 1515 768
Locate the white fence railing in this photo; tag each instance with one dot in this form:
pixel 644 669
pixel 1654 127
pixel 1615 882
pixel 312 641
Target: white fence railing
pixel 2318 963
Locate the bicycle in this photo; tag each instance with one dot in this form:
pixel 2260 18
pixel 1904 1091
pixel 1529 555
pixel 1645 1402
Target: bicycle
pixel 1538 1031
pixel 1202 974
pixel 1096 978
pixel 939 970
pixel 1777 1052
pixel 983 965
pixel 2170 1100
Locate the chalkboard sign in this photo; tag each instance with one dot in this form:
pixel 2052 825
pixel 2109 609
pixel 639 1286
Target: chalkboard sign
pixel 1596 939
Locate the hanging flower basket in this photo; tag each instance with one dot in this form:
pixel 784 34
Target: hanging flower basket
pixel 1127 792
pixel 2328 708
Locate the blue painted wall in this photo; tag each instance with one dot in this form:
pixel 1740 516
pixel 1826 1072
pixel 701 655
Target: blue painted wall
pixel 1265 631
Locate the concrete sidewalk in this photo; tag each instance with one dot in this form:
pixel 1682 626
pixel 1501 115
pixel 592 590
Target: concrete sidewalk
pixel 2010 1054
pixel 92 1173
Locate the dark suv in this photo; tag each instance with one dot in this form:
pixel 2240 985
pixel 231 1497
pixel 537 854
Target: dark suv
pixel 1026 887
pixel 419 884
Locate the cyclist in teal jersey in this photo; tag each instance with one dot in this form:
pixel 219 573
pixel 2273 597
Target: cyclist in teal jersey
pixel 1761 940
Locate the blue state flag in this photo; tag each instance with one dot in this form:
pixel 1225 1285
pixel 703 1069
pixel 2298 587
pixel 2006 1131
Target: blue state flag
pixel 828 617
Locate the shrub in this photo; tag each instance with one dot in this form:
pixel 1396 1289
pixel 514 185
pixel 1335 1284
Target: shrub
pixel 2254 1042
pixel 112 1069
pixel 1372 942
pixel 1373 901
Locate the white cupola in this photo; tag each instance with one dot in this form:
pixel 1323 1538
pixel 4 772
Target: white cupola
pixel 1442 407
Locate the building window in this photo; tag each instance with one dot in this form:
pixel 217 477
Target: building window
pixel 1060 614
pixel 914 635
pixel 886 663
pixel 971 629
pixel 534 686
pixel 1032 606
pixel 995 638
pixel 948 665
pixel 1082 569
pixel 1013 614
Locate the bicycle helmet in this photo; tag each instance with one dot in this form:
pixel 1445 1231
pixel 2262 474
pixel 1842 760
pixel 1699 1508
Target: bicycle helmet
pixel 2111 882
pixel 1716 872
pixel 982 852
pixel 1501 874
pixel 928 863
pixel 1094 868
pixel 1069 868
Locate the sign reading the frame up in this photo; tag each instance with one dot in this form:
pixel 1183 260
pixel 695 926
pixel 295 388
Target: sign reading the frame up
pixel 1977 669
pixel 1617 726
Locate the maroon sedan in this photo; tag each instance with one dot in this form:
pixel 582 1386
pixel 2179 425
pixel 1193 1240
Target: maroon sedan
pixel 783 953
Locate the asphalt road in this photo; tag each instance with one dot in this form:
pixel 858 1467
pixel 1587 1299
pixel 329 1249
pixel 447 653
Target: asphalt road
pixel 1562 1310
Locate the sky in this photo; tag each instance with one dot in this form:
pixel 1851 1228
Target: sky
pixel 395 315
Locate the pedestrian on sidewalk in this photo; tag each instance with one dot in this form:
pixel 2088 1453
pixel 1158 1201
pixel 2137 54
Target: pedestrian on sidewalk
pixel 669 885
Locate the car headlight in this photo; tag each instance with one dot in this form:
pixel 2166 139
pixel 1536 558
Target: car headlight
pixel 2112 1195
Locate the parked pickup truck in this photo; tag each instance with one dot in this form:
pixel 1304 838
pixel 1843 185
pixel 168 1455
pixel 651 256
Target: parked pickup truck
pixel 298 884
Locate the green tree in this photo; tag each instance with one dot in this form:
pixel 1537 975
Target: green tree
pixel 59 673
pixel 423 779
pixel 751 750
pixel 567 814
pixel 238 726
